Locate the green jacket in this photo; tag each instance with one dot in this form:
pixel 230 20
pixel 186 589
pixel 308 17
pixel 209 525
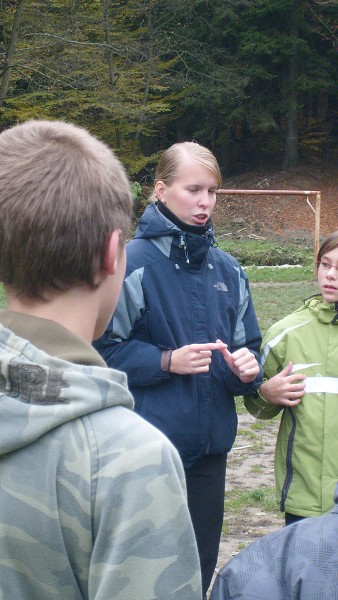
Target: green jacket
pixel 306 458
pixel 92 498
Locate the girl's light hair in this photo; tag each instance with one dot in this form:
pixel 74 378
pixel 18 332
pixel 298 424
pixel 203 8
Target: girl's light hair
pixel 172 158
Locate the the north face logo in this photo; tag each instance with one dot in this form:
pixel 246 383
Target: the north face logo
pixel 221 286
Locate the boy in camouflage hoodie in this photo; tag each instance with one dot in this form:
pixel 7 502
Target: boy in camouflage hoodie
pixel 92 498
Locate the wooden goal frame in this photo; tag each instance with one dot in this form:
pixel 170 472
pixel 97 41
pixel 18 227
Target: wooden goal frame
pixel 307 194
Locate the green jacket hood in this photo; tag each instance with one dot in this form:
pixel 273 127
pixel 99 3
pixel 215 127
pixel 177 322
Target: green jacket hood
pixel 322 311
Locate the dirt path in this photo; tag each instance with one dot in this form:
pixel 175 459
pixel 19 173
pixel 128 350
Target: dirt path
pixel 250 467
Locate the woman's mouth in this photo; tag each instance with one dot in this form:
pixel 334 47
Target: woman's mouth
pixel 201 218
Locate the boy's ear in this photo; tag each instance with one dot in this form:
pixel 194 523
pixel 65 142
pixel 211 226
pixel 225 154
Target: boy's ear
pixel 113 251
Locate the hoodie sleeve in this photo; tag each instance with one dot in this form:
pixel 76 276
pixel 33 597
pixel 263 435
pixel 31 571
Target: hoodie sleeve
pixel 120 349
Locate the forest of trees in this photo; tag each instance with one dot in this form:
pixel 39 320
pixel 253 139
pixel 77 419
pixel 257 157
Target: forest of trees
pixel 254 80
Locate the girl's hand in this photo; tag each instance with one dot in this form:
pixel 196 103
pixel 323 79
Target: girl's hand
pixel 242 363
pixel 193 358
pixel 284 388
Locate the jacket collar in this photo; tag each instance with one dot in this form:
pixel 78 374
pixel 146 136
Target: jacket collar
pixel 183 247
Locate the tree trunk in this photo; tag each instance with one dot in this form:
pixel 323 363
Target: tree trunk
pixel 149 71
pixel 110 61
pixel 4 36
pixel 225 159
pixel 291 158
pixel 108 42
pixel 6 74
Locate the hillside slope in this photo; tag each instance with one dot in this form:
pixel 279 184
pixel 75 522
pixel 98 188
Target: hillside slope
pixel 285 217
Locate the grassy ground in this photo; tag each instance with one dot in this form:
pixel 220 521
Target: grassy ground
pixel 275 300
pixel 2 297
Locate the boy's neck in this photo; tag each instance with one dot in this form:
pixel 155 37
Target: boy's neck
pixel 76 309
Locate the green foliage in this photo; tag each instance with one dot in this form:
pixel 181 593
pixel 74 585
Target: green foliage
pixel 143 75
pixel 2 297
pixel 136 190
pixel 73 63
pixel 266 252
pixel 314 142
pixel 281 274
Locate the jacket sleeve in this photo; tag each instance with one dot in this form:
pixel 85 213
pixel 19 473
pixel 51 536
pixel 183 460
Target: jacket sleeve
pixel 246 335
pixel 287 563
pixel 272 353
pixel 144 545
pixel 120 350
pixel 220 590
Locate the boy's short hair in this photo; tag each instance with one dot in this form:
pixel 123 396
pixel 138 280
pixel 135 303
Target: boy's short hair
pixel 62 193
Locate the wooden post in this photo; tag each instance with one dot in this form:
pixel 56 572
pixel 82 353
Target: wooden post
pixel 233 192
pixel 317 232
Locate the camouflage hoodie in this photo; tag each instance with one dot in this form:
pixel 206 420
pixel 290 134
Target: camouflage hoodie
pixel 92 498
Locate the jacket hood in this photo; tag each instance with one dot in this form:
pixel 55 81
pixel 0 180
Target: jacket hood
pixel 322 311
pixel 192 247
pixel 40 392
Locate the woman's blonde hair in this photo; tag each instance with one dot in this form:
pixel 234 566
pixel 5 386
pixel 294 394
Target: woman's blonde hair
pixel 172 158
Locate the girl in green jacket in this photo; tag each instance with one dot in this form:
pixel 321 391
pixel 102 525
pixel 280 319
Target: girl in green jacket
pixel 300 361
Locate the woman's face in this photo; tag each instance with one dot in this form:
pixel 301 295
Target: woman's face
pixel 192 195
pixel 328 276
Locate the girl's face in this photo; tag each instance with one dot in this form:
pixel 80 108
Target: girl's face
pixel 328 276
pixel 192 195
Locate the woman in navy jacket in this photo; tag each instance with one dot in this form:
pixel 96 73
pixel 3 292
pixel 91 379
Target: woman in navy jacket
pixel 186 333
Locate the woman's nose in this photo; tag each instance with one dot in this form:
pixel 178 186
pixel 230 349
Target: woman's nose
pixel 204 199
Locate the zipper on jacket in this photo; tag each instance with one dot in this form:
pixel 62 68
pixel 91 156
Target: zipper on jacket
pixel 183 245
pixel 289 468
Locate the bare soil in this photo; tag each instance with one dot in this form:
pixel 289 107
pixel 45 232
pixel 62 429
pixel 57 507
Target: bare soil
pixel 278 216
pixel 250 466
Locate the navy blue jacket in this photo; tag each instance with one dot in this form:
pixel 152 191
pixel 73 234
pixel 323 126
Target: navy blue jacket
pixel 180 290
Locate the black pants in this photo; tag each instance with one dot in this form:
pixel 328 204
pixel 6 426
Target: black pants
pixel 290 518
pixel 205 486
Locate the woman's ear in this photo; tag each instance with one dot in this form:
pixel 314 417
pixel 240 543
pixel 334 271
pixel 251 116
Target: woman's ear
pixel 160 190
pixel 113 252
